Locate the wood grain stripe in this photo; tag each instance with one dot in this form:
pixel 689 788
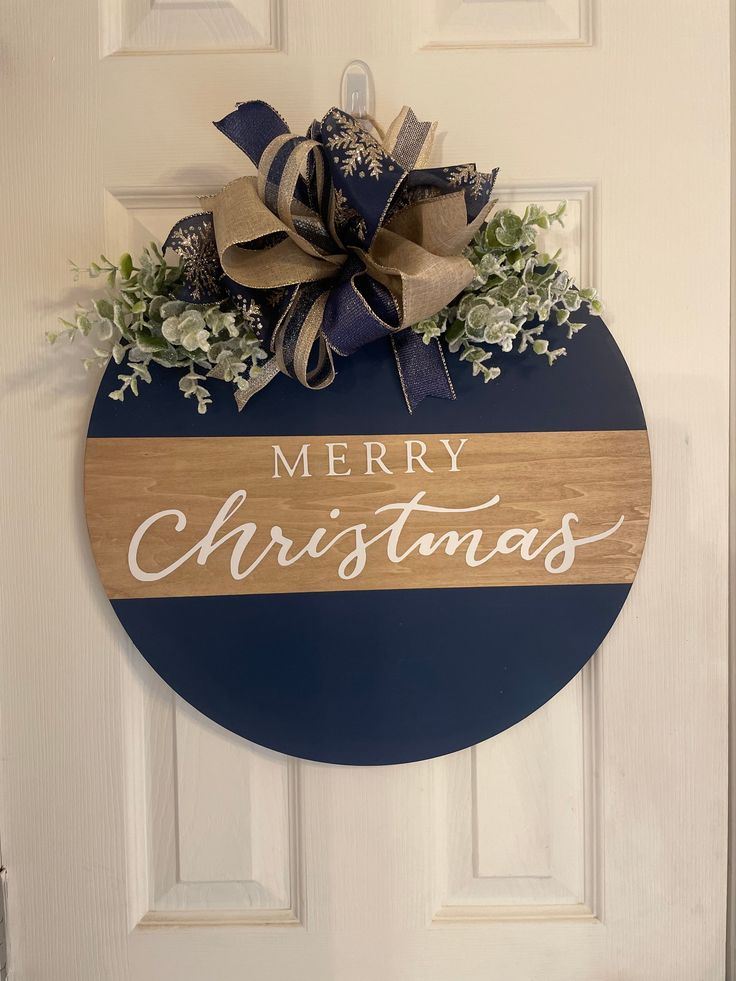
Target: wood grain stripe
pixel 538 477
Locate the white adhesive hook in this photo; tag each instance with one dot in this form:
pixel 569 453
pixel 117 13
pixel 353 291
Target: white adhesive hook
pixel 356 92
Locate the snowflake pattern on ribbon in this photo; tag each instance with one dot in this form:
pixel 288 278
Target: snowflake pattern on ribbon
pixel 347 217
pixel 194 241
pixel 467 176
pixel 356 152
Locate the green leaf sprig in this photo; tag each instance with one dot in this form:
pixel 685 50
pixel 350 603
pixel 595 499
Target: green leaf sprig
pixel 516 294
pixel 139 320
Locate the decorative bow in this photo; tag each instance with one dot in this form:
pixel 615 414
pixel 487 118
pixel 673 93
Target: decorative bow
pixel 350 241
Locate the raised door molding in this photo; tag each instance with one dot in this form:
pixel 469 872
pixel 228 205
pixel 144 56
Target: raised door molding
pixel 502 23
pixel 517 829
pixel 517 822
pixel 134 27
pixel 212 821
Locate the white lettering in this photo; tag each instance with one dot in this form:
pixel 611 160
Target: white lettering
pixel 333 458
pixel 303 457
pixel 413 456
pixel 559 548
pixel 454 454
pixel 370 459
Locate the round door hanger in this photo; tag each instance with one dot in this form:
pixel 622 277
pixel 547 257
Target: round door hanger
pixel 336 579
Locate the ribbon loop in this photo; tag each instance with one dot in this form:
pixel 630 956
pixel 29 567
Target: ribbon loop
pixel 367 239
pixel 252 127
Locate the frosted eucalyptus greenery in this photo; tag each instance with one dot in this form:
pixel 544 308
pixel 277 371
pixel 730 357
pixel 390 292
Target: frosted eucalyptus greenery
pixel 516 294
pixel 140 320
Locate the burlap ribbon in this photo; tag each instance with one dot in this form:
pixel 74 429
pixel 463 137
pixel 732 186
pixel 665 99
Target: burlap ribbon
pixel 351 238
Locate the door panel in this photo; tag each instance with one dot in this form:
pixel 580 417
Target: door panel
pixel 213 799
pixel 518 830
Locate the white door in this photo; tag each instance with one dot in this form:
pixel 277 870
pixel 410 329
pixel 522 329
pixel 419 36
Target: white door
pixel 588 843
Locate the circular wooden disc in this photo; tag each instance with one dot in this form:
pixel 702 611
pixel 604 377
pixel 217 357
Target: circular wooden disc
pixel 446 627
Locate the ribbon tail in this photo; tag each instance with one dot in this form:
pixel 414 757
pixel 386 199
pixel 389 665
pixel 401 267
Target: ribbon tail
pixel 409 140
pixel 422 369
pixel 256 383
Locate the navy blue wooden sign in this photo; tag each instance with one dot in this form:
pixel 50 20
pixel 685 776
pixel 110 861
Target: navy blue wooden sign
pixel 442 639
